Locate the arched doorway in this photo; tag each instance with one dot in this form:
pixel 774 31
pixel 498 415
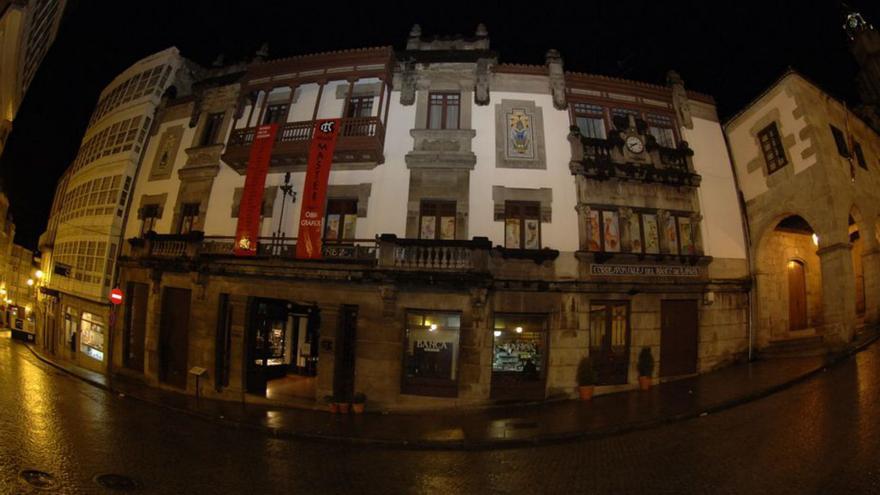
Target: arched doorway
pixel 788 282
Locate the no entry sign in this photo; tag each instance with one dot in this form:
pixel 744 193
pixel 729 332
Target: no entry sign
pixel 116 296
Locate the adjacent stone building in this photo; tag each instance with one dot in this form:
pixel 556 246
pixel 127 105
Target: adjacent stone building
pixel 488 226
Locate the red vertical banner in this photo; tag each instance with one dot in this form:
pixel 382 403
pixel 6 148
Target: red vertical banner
pixel 248 229
pixel 311 216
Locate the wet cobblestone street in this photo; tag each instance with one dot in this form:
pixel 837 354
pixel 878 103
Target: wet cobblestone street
pixel 822 436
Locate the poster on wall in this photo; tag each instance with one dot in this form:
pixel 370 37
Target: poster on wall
pixel 249 213
pixel 533 238
pixel 593 229
pixel 652 238
pixel 612 231
pixel 308 243
pixel 687 243
pixel 332 226
pixel 428 230
pixel 671 235
pixel 348 226
pixel 447 228
pixel 511 233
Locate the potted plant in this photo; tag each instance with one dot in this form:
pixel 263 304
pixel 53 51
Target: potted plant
pixel 358 402
pixel 646 368
pixel 343 405
pixel 331 404
pixel 586 378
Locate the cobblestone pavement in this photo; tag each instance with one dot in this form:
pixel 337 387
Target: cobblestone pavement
pixel 822 436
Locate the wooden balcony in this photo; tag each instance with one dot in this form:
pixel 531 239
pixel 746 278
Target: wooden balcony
pixel 361 141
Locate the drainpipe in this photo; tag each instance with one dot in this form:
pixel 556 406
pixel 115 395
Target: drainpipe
pixel 741 203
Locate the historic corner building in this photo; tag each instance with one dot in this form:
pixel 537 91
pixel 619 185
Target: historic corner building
pixel 89 212
pixel 807 167
pixel 487 226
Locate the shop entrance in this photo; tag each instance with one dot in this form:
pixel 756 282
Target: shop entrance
pixel 609 341
pixel 519 357
pixel 678 337
pixel 174 336
pixel 282 349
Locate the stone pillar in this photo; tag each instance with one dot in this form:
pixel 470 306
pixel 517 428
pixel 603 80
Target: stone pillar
pixel 474 377
pixel 583 227
pixel 838 292
pixel 679 99
pixel 327 350
pixel 556 71
pixel 871 269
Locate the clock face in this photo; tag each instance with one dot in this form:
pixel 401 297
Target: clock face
pixel 635 144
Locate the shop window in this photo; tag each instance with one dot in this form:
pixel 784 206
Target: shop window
pixel 840 141
pixel 590 119
pixel 150 215
pixel 519 345
pixel 771 147
pixel 213 123
pixel 341 219
pixel 189 217
pixel 360 106
pixel 662 128
pixel 430 361
pixel 92 336
pixel 522 225
pixel 275 114
pixel 860 155
pixel 443 110
pixel 437 220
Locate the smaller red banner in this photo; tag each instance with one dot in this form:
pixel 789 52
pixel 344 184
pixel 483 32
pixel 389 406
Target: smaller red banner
pixel 311 216
pixel 252 197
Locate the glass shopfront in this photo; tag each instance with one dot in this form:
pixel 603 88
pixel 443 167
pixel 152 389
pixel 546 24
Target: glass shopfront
pixel 92 336
pixel 430 361
pixel 519 356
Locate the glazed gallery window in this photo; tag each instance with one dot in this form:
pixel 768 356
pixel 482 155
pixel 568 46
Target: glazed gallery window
pixel 519 345
pixel 437 220
pixel 275 114
pixel 645 232
pixel 213 123
pixel 603 230
pixel 522 225
pixel 189 217
pixel 360 106
pixel 341 219
pixel 590 119
pixel 430 361
pixel 662 128
pixel 149 215
pixel 771 147
pixel 443 110
pixel 92 336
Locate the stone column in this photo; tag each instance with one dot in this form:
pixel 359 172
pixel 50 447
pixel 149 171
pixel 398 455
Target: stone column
pixel 871 269
pixel 838 293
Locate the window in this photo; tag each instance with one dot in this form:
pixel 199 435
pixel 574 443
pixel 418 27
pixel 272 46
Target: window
pixel 522 225
pixel 860 155
pixel 771 146
pixel 840 140
pixel 590 119
pixel 189 217
pixel 437 220
pixel 519 346
pixel 430 360
pixel 275 114
pixel 620 117
pixel 213 123
pixel 92 336
pixel 603 231
pixel 443 110
pixel 662 128
pixel 360 106
pixel 341 219
pixel 609 340
pixel 149 215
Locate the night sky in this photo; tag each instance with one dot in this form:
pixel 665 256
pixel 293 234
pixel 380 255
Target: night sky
pixel 731 52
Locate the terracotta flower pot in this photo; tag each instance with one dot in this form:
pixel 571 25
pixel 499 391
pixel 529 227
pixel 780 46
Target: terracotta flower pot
pixel 334 408
pixel 586 392
pixel 343 407
pixel 358 408
pixel 645 382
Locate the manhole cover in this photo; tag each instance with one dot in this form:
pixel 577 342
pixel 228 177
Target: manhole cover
pixel 38 479
pixel 118 482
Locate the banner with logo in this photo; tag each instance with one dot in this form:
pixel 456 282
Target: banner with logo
pixel 311 216
pixel 249 213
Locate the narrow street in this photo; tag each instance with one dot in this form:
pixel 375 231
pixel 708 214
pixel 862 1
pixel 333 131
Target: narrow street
pixel 822 436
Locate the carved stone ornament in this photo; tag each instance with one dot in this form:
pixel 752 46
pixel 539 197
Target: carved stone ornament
pixel 408 84
pixel 481 87
pixel 555 69
pixel 679 99
pixel 479 298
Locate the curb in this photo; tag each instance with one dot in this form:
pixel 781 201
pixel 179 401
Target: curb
pixel 477 445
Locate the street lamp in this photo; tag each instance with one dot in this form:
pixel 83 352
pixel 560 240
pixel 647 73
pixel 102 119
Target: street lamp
pixel 39 274
pixel 30 282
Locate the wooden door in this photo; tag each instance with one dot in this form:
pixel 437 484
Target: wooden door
pixel 678 337
pixel 609 341
pixel 174 336
pixel 135 326
pixel 797 296
pixel 343 370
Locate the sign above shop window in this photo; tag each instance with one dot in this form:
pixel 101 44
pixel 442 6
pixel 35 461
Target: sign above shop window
pixel 646 270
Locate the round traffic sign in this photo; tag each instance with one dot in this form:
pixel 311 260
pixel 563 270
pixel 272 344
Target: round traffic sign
pixel 116 296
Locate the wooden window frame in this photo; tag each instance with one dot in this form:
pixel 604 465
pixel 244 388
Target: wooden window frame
pixel 357 104
pixel 186 213
pixel 518 210
pixel 150 214
pixel 444 106
pixel 213 125
pixel 770 135
pixel 341 207
pixel 439 207
pixel 280 117
pixel 601 114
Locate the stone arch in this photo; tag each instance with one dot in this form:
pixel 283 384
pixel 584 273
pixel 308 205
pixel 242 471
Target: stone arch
pixel 785 252
pixel 855 231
